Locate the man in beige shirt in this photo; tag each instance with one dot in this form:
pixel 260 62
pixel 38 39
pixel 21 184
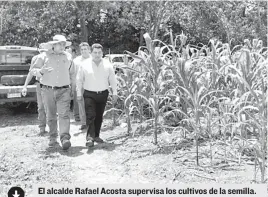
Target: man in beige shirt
pixel 95 76
pixel 57 78
pixel 79 105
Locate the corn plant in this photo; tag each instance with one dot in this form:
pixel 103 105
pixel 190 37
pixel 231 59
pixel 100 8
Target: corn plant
pixel 143 88
pixel 193 86
pixel 251 73
pixel 152 60
pixel 127 85
pixel 197 99
pixel 115 109
pixel 218 58
pixel 194 94
pixel 228 122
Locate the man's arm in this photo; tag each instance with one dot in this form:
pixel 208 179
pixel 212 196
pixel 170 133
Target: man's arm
pixel 76 65
pixel 29 77
pixel 27 81
pixel 80 77
pixel 72 76
pixel 38 68
pixel 35 69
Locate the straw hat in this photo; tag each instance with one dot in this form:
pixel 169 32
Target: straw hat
pixel 60 38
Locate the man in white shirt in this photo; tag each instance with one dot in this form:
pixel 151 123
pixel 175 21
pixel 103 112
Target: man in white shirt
pixel 94 77
pixel 79 105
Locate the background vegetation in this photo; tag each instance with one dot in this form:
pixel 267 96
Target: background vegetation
pixel 120 25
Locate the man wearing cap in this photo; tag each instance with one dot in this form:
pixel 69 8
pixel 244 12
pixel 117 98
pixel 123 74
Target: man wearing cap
pixel 94 77
pixel 57 78
pixel 40 104
pixel 79 105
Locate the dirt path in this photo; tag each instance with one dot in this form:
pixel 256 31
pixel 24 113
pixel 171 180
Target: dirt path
pixel 27 160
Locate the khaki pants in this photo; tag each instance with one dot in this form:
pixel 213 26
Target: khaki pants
pixel 41 109
pixel 79 109
pixel 57 101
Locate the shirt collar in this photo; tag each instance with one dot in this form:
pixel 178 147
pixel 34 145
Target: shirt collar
pixel 82 58
pixel 101 62
pixel 54 53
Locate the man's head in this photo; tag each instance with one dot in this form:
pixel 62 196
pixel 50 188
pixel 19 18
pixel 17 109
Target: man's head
pixel 59 43
pixel 71 50
pixel 97 52
pixel 59 47
pixel 44 47
pixel 85 49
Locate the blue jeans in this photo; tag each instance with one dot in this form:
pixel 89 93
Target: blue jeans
pixel 41 108
pixel 57 101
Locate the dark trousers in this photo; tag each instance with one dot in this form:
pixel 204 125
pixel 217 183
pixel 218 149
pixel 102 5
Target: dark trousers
pixel 94 107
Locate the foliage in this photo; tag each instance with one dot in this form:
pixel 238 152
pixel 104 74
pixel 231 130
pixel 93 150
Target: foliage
pixel 120 26
pixel 224 88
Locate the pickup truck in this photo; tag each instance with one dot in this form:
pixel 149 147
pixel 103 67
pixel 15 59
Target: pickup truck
pixel 118 61
pixel 14 66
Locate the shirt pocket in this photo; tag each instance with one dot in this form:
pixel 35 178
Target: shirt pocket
pixel 65 62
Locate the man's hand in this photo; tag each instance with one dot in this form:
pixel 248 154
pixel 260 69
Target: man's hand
pixel 24 91
pixel 79 98
pixel 46 69
pixel 115 97
pixel 72 94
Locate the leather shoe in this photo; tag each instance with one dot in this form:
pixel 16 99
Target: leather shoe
pixel 66 144
pixel 89 143
pixel 42 133
pixel 98 139
pixel 52 142
pixel 77 119
pixel 83 127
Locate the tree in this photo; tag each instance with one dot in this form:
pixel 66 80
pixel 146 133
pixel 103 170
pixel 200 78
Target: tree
pixel 120 25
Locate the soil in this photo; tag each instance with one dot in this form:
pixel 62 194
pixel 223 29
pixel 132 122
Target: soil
pixel 26 158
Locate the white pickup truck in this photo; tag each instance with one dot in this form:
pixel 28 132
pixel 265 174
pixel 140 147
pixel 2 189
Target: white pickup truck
pixel 118 60
pixel 14 66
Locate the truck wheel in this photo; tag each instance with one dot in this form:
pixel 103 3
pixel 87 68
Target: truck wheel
pixel 12 80
pixel 13 104
pixel 32 108
pixel 18 107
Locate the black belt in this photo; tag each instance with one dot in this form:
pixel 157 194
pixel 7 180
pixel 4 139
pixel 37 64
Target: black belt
pixel 54 87
pixel 97 92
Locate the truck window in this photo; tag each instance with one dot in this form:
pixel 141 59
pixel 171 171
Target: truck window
pixel 118 59
pixel 16 57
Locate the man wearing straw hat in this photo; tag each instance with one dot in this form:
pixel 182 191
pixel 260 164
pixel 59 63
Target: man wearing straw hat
pixel 40 105
pixel 57 78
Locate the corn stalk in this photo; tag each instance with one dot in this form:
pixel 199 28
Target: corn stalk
pixel 253 102
pixel 152 60
pixel 128 87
